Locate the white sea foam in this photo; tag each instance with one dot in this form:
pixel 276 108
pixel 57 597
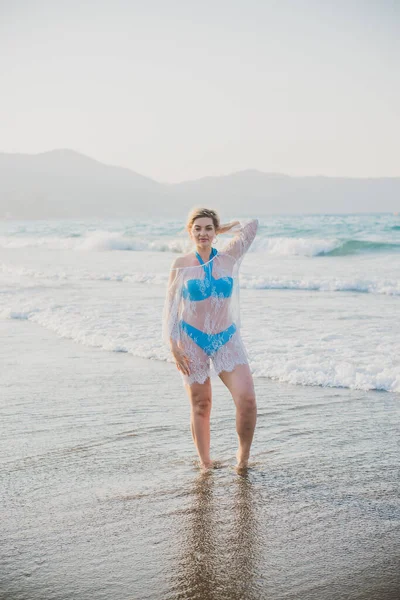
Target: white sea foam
pixel 329 373
pixel 98 241
pixel 106 241
pixel 328 284
pixel 50 242
pixel 292 246
pixel 16 274
pixel 313 349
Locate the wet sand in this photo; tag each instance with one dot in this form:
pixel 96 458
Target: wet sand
pixel 102 498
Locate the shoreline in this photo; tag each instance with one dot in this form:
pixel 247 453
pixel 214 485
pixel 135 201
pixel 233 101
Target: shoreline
pixel 12 327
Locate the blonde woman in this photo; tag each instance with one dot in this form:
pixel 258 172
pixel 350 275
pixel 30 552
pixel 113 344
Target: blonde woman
pixel 202 324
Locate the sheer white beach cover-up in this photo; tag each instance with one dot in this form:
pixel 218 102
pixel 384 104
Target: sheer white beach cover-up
pixel 201 312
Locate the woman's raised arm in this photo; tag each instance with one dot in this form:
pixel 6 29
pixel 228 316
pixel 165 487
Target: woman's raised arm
pixel 243 239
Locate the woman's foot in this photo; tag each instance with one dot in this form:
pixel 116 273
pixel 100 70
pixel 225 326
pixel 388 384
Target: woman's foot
pixel 212 464
pixel 205 466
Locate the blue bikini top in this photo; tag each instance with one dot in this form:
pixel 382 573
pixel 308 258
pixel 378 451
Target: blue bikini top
pixel 200 289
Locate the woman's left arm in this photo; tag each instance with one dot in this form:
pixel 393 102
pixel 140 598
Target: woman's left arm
pixel 244 236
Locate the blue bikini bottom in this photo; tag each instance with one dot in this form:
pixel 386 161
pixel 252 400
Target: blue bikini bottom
pixel 208 342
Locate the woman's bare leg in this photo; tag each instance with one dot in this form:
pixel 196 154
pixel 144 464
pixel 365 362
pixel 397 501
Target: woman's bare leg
pixel 240 384
pixel 200 400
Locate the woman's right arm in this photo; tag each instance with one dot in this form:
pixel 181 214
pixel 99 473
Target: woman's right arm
pixel 171 307
pixel 171 317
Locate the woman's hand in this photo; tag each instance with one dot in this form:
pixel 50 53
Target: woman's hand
pixel 226 227
pixel 181 360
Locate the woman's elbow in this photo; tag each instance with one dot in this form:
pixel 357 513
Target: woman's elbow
pixel 253 226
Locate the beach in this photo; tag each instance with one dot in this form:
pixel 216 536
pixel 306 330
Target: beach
pixel 186 183
pixel 102 496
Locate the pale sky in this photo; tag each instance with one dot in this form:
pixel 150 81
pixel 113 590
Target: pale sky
pixel 181 89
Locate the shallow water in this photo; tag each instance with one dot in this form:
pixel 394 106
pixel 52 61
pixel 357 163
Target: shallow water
pixel 102 498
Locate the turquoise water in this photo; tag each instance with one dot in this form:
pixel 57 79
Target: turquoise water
pixel 343 234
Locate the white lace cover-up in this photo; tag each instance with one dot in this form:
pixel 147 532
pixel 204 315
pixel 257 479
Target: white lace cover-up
pixel 201 312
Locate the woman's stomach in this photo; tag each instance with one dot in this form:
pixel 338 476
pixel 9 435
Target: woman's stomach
pixel 208 320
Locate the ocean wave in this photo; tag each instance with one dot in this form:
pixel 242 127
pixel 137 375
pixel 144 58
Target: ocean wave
pixel 288 246
pixel 332 374
pixel 298 366
pixel 310 247
pixel 48 242
pixel 105 241
pixel 390 287
pixel 97 241
pixel 350 247
pixel 14 273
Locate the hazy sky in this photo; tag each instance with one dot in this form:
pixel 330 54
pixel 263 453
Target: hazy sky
pixel 180 89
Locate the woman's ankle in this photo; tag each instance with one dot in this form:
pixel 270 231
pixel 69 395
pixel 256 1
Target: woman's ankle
pixel 242 457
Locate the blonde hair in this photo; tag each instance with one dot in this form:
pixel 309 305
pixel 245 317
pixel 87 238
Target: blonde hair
pixel 197 213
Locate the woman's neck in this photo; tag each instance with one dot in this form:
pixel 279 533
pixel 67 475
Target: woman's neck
pixel 204 253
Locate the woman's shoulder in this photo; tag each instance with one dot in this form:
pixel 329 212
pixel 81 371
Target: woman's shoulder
pixel 186 260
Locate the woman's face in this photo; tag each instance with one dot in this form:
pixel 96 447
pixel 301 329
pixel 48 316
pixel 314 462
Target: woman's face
pixel 203 232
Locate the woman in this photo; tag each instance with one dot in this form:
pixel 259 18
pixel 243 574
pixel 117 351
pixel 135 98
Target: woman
pixel 202 323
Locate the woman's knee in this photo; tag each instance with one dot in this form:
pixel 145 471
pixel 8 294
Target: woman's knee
pixel 201 403
pixel 246 402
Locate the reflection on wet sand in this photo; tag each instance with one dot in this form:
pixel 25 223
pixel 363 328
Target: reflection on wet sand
pixel 219 543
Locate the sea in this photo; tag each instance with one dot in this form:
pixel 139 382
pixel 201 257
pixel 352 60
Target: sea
pixel 101 496
pixel 320 294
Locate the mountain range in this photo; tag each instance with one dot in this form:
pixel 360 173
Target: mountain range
pixel 66 184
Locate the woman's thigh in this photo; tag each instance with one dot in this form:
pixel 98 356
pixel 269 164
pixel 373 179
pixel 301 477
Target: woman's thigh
pixel 199 393
pixel 239 382
pixel 199 363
